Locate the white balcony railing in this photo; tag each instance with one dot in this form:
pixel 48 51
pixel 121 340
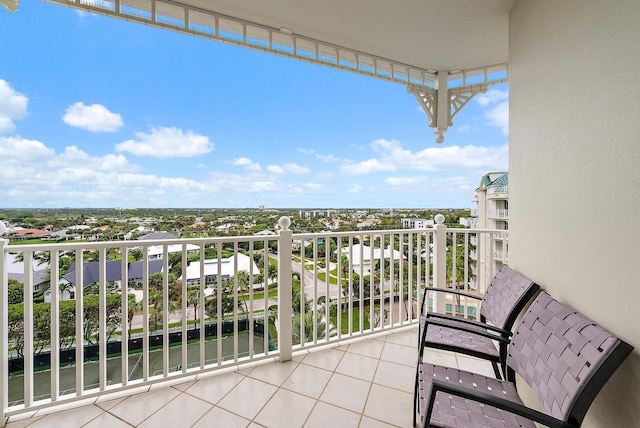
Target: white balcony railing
pixel 499 213
pixel 237 300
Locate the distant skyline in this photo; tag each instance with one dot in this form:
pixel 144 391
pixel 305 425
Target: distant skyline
pixel 100 112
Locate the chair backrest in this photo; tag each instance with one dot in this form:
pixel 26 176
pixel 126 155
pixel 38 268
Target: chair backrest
pixel 564 357
pixel 506 296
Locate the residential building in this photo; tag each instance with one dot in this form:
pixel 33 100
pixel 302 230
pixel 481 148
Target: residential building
pixel 157 235
pixel 226 269
pixel 91 275
pixel 314 213
pixel 491 212
pixel 364 256
pixel 416 223
pixel 155 252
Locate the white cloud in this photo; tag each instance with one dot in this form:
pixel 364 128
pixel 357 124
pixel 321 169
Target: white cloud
pixel 248 163
pixel 324 158
pixel 295 168
pixel 406 181
pixel 94 118
pixel 492 96
pixel 366 167
pixel 22 150
pixel 167 142
pixel 13 106
pixel 463 128
pixel 393 157
pixel 242 161
pixel 276 169
pixel 356 188
pixel 74 157
pixel 499 116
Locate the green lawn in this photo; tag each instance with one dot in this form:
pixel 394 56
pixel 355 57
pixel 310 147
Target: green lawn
pixel 344 319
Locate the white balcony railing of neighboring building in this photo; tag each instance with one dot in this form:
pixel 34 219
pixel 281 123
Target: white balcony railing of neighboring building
pixel 499 213
pixel 301 291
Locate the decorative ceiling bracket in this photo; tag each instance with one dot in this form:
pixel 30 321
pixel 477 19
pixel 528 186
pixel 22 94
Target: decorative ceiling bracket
pixel 10 5
pixel 442 99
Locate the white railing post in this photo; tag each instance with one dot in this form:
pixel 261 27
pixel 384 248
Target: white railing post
pixel 285 285
pixel 440 260
pixel 4 323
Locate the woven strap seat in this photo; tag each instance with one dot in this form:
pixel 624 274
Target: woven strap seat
pixel 452 411
pixel 450 337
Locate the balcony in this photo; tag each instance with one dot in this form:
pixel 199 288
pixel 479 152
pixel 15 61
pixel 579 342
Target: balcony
pixel 499 213
pixel 329 327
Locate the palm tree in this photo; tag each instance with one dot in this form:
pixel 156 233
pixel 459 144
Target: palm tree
pixel 193 298
pixel 320 327
pixel 272 272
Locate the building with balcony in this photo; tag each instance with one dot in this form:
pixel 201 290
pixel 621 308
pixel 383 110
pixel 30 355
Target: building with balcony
pixel 491 212
pixel 573 72
pixel 416 223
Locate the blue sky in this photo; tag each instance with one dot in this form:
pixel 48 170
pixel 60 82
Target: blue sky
pixel 99 112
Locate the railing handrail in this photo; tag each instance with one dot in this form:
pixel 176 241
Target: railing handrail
pixel 399 285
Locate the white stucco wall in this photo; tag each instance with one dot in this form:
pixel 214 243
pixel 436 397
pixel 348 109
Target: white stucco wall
pixel 574 169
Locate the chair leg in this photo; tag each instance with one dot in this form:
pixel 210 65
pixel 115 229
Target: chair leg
pixel 415 399
pixel 496 370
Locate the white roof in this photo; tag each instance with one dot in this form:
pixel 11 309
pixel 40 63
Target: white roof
pixel 156 250
pixel 227 267
pixel 366 254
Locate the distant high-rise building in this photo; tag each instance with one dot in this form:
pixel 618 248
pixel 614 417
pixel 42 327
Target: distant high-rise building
pixel 491 212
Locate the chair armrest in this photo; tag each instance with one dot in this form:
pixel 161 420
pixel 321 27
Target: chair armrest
pixel 498 402
pixel 502 331
pixel 486 334
pixel 446 290
pixel 452 291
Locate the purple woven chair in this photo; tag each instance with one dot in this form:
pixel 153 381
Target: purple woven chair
pixel 503 301
pixel 563 356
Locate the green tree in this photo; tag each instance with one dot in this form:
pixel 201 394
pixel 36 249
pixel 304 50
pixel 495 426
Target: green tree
pixel 15 292
pixel 320 327
pixel 193 299
pixel 227 307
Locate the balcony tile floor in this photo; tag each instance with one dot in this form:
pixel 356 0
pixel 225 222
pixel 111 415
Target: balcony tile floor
pixel 366 383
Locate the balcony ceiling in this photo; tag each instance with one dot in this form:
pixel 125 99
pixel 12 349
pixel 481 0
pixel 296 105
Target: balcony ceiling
pixel 429 34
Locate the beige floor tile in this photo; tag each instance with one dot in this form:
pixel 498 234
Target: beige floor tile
pixel 395 376
pixel 400 354
pixel 220 418
pixel 183 386
pixel 248 397
pixel 440 358
pixel 274 374
pixel 406 338
pixel 137 408
pixel 336 392
pixel 107 420
pixel 107 404
pixel 69 418
pixel 307 380
pixel 390 406
pixel 325 415
pixel 368 422
pixel 475 365
pixel 327 360
pixel 213 389
pixel 286 409
pixel 358 366
pixel 17 422
pixel 370 348
pixel 184 410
